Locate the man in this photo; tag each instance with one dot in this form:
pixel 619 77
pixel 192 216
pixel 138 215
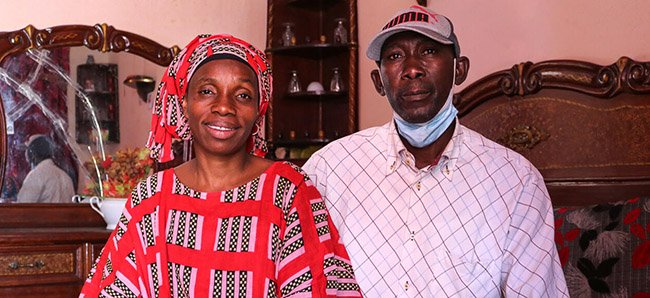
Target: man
pixel 425 206
pixel 45 183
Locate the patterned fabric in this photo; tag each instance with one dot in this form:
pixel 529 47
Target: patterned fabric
pixel 168 121
pixel 477 224
pixel 270 237
pixel 605 249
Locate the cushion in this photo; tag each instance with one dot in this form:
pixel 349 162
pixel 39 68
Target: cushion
pixel 605 249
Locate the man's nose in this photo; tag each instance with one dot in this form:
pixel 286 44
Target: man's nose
pixel 413 68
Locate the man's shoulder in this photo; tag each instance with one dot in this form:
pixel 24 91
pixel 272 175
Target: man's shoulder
pixel 475 144
pixel 374 137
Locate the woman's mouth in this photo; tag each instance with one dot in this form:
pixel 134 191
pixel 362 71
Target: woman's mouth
pixel 221 130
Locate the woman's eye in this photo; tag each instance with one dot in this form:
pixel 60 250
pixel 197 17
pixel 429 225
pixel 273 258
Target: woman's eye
pixel 244 96
pixel 429 51
pixel 205 92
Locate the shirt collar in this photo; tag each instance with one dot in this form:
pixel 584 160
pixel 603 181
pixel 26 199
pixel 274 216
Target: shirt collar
pixel 397 151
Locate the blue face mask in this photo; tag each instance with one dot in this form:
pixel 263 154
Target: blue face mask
pixel 420 135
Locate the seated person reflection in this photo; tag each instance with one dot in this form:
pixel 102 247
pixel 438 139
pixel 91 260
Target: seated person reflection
pixel 46 182
pixel 227 223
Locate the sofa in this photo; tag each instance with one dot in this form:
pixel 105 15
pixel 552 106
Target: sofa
pixel 605 249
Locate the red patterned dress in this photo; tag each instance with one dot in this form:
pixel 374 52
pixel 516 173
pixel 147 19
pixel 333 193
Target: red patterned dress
pixel 270 237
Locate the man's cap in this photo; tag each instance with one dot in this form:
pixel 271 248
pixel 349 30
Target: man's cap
pixel 38 143
pixel 417 19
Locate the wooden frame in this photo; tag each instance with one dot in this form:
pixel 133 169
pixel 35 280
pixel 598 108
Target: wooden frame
pixel 584 126
pixel 100 37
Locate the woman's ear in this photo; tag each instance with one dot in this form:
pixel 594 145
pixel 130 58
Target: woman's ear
pixel 462 67
pixel 184 106
pixel 376 79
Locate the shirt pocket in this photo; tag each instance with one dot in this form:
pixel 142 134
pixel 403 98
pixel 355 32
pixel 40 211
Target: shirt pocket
pixel 459 276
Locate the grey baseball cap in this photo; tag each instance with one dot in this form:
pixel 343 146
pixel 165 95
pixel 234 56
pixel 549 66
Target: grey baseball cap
pixel 417 19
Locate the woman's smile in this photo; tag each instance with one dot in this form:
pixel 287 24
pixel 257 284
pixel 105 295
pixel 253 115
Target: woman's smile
pixel 222 130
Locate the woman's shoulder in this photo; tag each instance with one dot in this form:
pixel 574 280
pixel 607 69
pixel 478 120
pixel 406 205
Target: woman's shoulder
pixel 149 186
pixel 289 171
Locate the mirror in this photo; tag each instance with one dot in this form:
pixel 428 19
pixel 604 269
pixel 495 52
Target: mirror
pixel 40 104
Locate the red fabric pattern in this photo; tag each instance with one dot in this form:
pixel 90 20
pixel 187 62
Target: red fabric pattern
pixel 268 238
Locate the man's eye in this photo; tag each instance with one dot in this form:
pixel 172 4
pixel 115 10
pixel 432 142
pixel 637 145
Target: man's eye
pixel 429 51
pixel 393 56
pixel 205 92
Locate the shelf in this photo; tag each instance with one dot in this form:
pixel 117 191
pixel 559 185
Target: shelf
pixel 307 120
pixel 311 95
pixel 300 142
pixel 311 4
pixel 312 50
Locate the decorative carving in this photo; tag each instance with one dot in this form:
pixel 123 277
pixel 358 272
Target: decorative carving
pixel 626 75
pixel 523 137
pixel 100 37
pixel 636 76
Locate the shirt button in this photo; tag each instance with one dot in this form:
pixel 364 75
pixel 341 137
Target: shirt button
pixel 392 167
pixel 418 185
pixel 406 286
pixel 408 162
pixel 412 236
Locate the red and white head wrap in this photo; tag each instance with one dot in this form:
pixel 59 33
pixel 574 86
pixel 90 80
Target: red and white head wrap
pixel 168 121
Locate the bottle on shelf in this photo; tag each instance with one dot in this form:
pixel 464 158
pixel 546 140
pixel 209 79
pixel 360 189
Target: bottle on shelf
pixel 340 33
pixel 336 84
pixel 288 37
pixel 294 83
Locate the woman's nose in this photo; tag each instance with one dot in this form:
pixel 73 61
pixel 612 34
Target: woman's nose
pixel 223 105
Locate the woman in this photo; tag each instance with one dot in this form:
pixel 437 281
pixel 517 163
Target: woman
pixel 227 223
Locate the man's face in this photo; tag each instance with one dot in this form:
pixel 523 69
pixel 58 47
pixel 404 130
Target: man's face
pixel 416 75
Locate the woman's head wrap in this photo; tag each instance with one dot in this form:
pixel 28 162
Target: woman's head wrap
pixel 168 121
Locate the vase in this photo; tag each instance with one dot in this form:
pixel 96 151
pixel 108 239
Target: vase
pixel 109 208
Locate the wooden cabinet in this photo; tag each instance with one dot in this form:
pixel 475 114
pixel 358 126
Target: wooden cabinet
pixel 300 122
pixel 99 84
pixel 51 259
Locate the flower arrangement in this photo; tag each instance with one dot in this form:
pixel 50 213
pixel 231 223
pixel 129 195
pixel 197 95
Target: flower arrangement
pixel 119 173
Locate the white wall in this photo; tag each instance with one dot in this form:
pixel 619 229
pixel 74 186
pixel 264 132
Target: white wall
pixel 493 34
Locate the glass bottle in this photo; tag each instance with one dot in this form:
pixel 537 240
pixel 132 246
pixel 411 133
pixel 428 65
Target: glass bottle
pixel 336 84
pixel 340 33
pixel 288 37
pixel 294 83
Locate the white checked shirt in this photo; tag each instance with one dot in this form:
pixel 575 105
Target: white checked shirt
pixel 477 224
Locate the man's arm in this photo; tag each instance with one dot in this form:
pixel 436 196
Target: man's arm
pixel 31 190
pixel 531 267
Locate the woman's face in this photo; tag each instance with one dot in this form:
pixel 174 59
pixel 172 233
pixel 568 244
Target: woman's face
pixel 221 106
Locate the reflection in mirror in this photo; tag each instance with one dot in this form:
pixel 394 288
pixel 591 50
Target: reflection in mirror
pixel 45 92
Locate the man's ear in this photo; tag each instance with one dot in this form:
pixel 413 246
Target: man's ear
pixel 376 79
pixel 462 67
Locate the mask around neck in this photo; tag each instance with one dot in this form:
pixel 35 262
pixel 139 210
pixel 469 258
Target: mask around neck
pixel 420 135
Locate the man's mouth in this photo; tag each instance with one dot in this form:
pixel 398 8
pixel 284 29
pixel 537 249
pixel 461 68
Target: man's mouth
pixel 416 95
